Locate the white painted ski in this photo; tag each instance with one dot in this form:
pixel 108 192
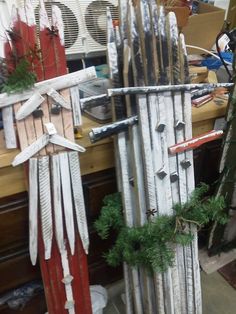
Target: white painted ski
pixel 62 141
pixel 58 99
pixel 79 199
pixel 57 202
pixel 76 106
pixel 29 106
pixel 187 111
pixel 122 161
pixel 31 150
pixel 8 126
pixel 45 204
pixel 33 209
pixel 67 199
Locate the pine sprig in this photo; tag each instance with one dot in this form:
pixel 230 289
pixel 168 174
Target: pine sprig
pixel 152 245
pixel 20 79
pixel 110 217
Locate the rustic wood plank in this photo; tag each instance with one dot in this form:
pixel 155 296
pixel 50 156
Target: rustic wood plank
pixel 122 168
pixel 33 209
pixel 58 99
pixel 59 140
pixel 46 119
pixel 79 199
pixel 67 200
pixel 140 74
pixel 67 117
pixel 31 150
pixel 190 178
pixel 23 139
pixel 29 106
pixel 121 91
pixel 57 121
pixel 45 205
pixel 76 106
pixel 60 82
pixel 8 125
pixel 32 39
pixel 57 202
pixel 58 41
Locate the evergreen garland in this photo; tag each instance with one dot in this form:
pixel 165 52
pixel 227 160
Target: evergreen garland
pixel 152 245
pixel 20 79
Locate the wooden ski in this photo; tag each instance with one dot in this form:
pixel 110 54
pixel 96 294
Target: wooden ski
pixel 122 167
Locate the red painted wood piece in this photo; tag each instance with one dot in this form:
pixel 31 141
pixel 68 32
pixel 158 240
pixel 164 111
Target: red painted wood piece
pixel 195 142
pixel 53 266
pixel 54 64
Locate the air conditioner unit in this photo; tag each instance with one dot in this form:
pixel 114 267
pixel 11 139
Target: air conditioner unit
pixel 84 24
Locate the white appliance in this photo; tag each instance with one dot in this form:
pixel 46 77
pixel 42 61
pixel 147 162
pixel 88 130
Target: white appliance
pixel 84 25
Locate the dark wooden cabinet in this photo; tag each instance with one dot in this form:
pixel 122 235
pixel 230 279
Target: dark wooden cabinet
pixel 15 265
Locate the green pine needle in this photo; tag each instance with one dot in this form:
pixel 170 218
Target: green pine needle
pixel 152 245
pixel 20 79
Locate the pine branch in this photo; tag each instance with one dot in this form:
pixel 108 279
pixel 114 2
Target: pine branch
pixel 20 79
pixel 151 245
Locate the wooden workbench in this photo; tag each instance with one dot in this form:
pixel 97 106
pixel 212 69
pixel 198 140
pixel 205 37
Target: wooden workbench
pixel 98 156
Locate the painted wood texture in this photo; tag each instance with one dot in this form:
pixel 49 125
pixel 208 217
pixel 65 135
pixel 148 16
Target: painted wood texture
pixel 132 289
pixel 58 267
pixel 163 105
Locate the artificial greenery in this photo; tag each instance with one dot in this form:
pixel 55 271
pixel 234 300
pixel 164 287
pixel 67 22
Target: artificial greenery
pixel 20 79
pixel 152 245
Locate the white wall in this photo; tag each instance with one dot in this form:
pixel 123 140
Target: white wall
pixel 224 4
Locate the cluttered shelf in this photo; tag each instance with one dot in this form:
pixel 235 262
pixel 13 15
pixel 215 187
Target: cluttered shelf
pixel 98 156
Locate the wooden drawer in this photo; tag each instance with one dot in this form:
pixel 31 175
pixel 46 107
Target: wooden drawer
pixel 16 269
pixel 96 187
pixel 36 305
pixel 13 223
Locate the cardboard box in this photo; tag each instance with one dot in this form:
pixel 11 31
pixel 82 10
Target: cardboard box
pixel 182 15
pixel 203 28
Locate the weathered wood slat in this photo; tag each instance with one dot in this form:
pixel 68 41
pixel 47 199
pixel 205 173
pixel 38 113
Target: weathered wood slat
pixel 162 88
pixel 79 199
pixel 76 106
pixel 29 106
pixel 9 130
pixel 58 99
pixel 123 172
pixel 67 117
pixel 190 178
pixel 33 209
pixel 59 140
pixel 96 134
pixel 67 200
pixel 57 83
pixel 59 41
pixel 31 150
pixel 45 204
pixel 57 202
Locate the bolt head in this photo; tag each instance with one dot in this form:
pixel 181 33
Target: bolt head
pixel 37 113
pixel 56 108
pixel 185 163
pixel 174 177
pixel 179 125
